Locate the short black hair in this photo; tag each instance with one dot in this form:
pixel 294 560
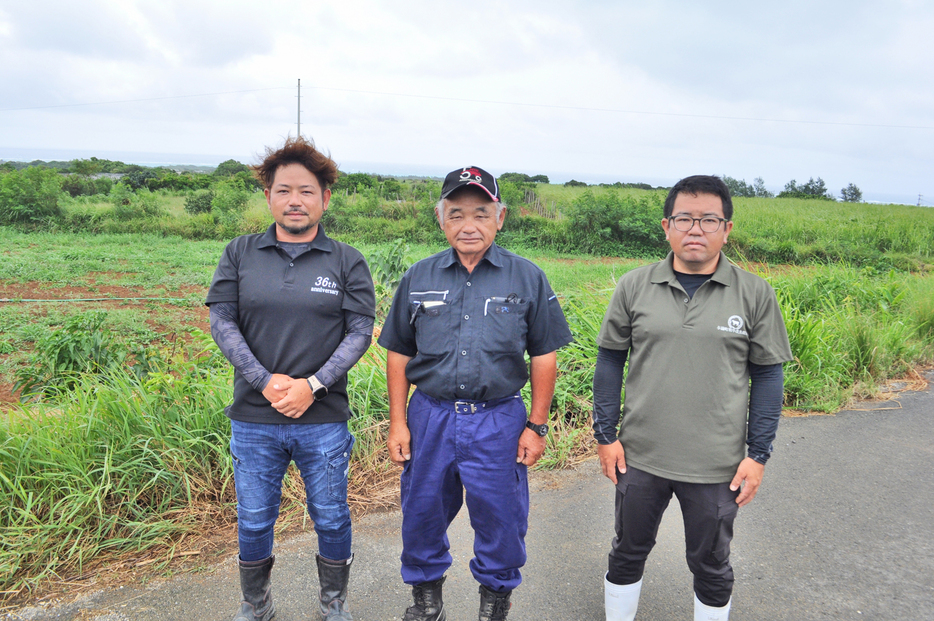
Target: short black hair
pixel 701 184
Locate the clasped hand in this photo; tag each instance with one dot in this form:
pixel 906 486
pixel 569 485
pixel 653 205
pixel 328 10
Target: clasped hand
pixel 290 397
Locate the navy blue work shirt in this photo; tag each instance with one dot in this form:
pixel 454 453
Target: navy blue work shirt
pixel 467 333
pixel 291 314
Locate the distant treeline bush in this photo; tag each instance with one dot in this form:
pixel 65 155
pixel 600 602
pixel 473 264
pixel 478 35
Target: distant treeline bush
pixel 606 219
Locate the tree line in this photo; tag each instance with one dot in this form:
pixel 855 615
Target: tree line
pixel 812 189
pixel 33 192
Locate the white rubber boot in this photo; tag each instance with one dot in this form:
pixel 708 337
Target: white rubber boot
pixel 703 612
pixel 622 600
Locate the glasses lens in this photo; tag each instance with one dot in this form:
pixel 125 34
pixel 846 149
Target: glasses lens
pixel 683 223
pixel 707 225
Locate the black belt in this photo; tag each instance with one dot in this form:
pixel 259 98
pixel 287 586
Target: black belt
pixel 470 407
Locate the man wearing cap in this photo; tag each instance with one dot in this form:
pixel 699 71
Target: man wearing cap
pixel 706 342
pixel 293 311
pixel 459 327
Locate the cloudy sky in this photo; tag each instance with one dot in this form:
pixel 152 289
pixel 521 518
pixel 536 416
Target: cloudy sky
pixel 595 90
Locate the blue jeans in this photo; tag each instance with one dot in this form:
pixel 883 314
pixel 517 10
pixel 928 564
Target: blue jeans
pixel 454 454
pixel 261 454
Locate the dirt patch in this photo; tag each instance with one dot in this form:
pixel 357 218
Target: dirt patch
pixel 13 292
pixel 6 394
pixel 173 320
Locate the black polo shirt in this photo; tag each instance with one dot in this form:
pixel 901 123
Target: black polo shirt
pixel 467 334
pixel 291 313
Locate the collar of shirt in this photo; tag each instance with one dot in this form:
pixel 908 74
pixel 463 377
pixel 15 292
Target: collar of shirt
pixel 664 271
pixel 321 241
pixel 492 255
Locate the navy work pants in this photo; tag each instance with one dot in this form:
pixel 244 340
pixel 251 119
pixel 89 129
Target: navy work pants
pixel 453 452
pixel 708 511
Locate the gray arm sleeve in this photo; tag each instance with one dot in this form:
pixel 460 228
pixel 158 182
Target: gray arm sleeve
pixel 766 392
pixel 229 339
pixel 607 386
pixel 227 335
pixel 356 341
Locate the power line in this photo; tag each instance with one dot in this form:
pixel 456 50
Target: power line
pixel 122 101
pixel 617 110
pixel 493 102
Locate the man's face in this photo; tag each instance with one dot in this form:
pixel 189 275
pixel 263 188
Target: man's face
pixel 470 223
pixel 296 202
pixel 696 251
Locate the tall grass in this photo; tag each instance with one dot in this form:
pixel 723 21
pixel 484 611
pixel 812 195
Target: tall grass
pixel 851 329
pixel 117 464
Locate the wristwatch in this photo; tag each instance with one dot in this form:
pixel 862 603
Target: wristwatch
pixel 541 430
pixel 319 390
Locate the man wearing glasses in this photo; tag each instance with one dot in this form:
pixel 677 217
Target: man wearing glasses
pixel 705 342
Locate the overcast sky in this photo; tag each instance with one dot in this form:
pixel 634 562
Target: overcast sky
pixel 594 90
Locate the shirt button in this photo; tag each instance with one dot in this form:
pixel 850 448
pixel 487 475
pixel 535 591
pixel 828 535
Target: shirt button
pixel 686 300
pixel 291 265
pixel 463 352
pixel 463 387
pixel 466 317
pixel 468 283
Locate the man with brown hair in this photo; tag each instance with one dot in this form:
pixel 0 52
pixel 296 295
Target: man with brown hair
pixel 292 310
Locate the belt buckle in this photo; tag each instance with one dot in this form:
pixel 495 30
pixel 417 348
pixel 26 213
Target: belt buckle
pixel 465 407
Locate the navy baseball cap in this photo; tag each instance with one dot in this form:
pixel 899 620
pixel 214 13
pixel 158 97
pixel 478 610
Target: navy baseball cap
pixel 470 175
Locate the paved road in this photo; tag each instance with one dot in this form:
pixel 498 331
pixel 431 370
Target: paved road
pixel 843 528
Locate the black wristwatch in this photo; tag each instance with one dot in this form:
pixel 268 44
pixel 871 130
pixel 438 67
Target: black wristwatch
pixel 319 390
pixel 541 430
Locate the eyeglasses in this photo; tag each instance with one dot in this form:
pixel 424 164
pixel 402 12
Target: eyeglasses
pixel 708 224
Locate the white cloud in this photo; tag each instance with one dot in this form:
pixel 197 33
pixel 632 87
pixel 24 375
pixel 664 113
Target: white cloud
pixel 831 62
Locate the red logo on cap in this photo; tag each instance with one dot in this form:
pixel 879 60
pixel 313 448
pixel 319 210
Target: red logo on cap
pixel 471 172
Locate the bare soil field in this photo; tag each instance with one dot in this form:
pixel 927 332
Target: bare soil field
pixel 171 318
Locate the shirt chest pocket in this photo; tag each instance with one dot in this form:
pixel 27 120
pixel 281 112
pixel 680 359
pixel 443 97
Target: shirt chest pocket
pixel 432 321
pixel 505 327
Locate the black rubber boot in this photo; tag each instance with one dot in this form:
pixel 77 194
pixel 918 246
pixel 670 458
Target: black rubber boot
pixel 332 578
pixel 428 604
pixel 256 585
pixel 493 606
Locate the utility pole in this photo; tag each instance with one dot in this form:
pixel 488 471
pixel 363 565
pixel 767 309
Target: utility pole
pixel 299 107
pixel 919 200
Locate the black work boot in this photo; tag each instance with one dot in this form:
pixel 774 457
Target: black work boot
pixel 256 585
pixel 493 606
pixel 428 604
pixel 332 578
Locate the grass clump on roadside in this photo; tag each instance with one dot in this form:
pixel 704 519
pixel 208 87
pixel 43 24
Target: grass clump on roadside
pixel 850 330
pixel 116 464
